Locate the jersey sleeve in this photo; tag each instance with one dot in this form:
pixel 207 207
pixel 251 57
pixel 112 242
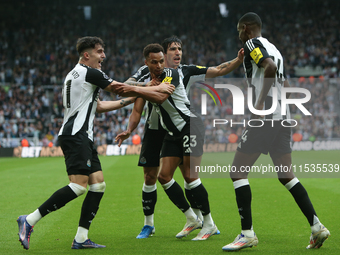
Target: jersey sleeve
pixel 171 76
pixel 192 70
pixel 144 70
pixel 256 51
pixel 192 74
pixel 98 78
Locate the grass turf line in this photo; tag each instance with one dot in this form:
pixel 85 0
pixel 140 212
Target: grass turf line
pixel 278 222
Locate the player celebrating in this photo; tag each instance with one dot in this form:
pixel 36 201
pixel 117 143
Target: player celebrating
pixel 176 118
pixel 264 69
pixel 80 99
pixel 154 133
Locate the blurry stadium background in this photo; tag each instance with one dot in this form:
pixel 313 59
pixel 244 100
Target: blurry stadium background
pixel 37 49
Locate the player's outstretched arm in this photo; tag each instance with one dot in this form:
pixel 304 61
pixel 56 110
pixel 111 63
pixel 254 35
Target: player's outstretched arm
pixel 225 67
pixel 155 94
pixel 107 106
pixel 133 121
pixel 131 81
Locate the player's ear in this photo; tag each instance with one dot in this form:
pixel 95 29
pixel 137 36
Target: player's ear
pixel 247 29
pixel 86 55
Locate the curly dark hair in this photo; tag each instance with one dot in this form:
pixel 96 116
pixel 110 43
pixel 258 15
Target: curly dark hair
pixel 152 48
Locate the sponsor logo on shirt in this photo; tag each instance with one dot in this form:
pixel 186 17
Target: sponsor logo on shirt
pixel 256 55
pixel 167 79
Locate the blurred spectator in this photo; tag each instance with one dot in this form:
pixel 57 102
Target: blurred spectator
pixel 35 54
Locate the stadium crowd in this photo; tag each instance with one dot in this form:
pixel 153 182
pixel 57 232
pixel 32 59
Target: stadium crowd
pixel 35 55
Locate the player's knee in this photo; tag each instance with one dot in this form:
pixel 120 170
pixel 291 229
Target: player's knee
pixel 188 179
pixel 283 181
pixel 98 187
pixel 77 189
pixel 163 179
pixel 150 179
pixel 150 175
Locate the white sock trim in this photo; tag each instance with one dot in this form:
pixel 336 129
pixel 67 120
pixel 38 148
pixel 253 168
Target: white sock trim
pixel 34 217
pixel 82 235
pixel 208 220
pixel 315 220
pixel 169 184
pixel 190 215
pixel 195 183
pixel 148 220
pixel 198 213
pixel 149 188
pixel 98 187
pixel 248 233
pixel 77 189
pixel 240 183
pixel 291 183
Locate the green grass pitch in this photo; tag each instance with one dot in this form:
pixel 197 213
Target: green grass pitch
pixel 278 222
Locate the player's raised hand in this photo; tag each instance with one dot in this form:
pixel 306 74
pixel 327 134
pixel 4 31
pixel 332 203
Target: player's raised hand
pixel 121 137
pixel 166 87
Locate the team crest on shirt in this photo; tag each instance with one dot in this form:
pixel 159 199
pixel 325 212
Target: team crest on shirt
pixel 256 55
pixel 167 79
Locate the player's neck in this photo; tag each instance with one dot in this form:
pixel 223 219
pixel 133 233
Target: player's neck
pixel 81 61
pixel 254 34
pixel 153 76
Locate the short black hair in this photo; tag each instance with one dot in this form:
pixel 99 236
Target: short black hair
pixel 168 41
pixel 88 42
pixel 251 18
pixel 152 48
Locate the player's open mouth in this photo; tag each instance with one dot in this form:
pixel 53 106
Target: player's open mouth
pixel 177 59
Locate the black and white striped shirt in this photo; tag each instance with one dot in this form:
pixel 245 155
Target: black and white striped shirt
pixel 174 112
pixel 255 51
pixel 189 74
pixel 80 95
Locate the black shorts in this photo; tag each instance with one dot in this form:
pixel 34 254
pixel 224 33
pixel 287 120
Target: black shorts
pixel 80 155
pixel 188 143
pixel 272 137
pixel 151 147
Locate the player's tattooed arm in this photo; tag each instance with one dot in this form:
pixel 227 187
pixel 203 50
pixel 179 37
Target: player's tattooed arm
pixel 133 121
pixel 133 82
pixel 225 67
pixel 127 101
pixel 106 106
